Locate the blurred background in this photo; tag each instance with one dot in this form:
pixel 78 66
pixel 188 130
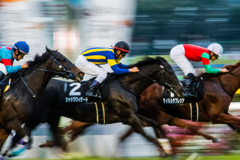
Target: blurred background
pixel 151 27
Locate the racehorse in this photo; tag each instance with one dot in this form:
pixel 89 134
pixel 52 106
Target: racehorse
pixel 149 107
pixel 219 90
pixel 26 87
pixel 120 104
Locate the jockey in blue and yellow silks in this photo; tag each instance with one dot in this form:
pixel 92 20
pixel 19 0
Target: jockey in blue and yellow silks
pixel 8 55
pixel 91 58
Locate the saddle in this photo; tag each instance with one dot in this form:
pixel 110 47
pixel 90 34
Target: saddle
pixel 171 98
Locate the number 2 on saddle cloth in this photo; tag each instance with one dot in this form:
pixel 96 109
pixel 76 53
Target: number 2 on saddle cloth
pixel 74 92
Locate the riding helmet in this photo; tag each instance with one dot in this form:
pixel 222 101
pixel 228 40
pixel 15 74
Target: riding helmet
pixel 216 48
pixel 121 45
pixel 22 46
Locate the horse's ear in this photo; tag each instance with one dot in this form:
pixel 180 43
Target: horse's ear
pixel 48 50
pixel 161 59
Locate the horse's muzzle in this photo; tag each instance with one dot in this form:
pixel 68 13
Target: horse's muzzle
pixel 81 75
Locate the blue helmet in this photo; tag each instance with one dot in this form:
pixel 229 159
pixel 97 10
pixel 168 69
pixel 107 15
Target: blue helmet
pixel 22 46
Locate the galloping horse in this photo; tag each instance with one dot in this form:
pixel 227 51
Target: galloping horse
pixel 213 107
pixel 27 86
pixel 149 107
pixel 119 106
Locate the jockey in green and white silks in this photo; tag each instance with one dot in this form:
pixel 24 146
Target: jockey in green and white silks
pixel 182 54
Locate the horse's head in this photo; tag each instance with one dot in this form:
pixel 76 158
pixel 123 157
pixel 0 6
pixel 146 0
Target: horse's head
pixel 63 67
pixel 162 73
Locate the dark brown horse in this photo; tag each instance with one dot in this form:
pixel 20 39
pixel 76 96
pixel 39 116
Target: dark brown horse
pixel 119 106
pixel 149 107
pixel 27 85
pixel 213 107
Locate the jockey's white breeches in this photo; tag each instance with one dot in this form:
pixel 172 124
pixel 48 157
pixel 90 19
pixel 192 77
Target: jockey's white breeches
pixel 3 68
pixel 89 68
pixel 177 53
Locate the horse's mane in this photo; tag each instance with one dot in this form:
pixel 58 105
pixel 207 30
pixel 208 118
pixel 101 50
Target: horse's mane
pixel 228 67
pixel 38 59
pixel 146 61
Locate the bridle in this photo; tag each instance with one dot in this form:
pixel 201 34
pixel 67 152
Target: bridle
pixel 65 72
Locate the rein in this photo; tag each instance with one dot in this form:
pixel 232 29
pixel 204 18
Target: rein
pixel 166 85
pixel 65 71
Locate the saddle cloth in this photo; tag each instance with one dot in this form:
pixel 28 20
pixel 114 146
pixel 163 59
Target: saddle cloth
pixel 74 92
pixel 171 98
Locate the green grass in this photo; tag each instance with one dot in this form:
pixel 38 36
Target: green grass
pixel 178 157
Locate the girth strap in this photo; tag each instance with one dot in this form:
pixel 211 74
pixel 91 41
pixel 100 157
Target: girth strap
pixel 100 112
pixel 194 111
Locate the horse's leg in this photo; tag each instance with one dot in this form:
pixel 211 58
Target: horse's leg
pixel 135 123
pixel 192 128
pixel 15 125
pixel 124 136
pixel 235 127
pixel 225 118
pixel 58 137
pixel 4 133
pixel 76 132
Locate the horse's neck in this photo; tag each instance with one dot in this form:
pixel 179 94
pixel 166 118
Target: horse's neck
pixel 230 82
pixel 137 83
pixel 38 80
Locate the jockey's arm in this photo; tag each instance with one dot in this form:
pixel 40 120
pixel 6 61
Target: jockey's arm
pixel 6 60
pixel 116 69
pixel 206 63
pixel 122 65
pixel 13 69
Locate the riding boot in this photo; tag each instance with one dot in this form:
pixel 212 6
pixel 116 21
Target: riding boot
pixel 91 93
pixel 189 86
pixel 2 75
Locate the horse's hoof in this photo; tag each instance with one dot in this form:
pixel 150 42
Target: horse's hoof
pixel 216 140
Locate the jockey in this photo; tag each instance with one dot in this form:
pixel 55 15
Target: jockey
pixel 8 55
pixel 90 59
pixel 181 54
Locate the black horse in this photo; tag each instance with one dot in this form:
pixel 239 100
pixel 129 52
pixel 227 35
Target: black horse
pixel 27 86
pixel 119 104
